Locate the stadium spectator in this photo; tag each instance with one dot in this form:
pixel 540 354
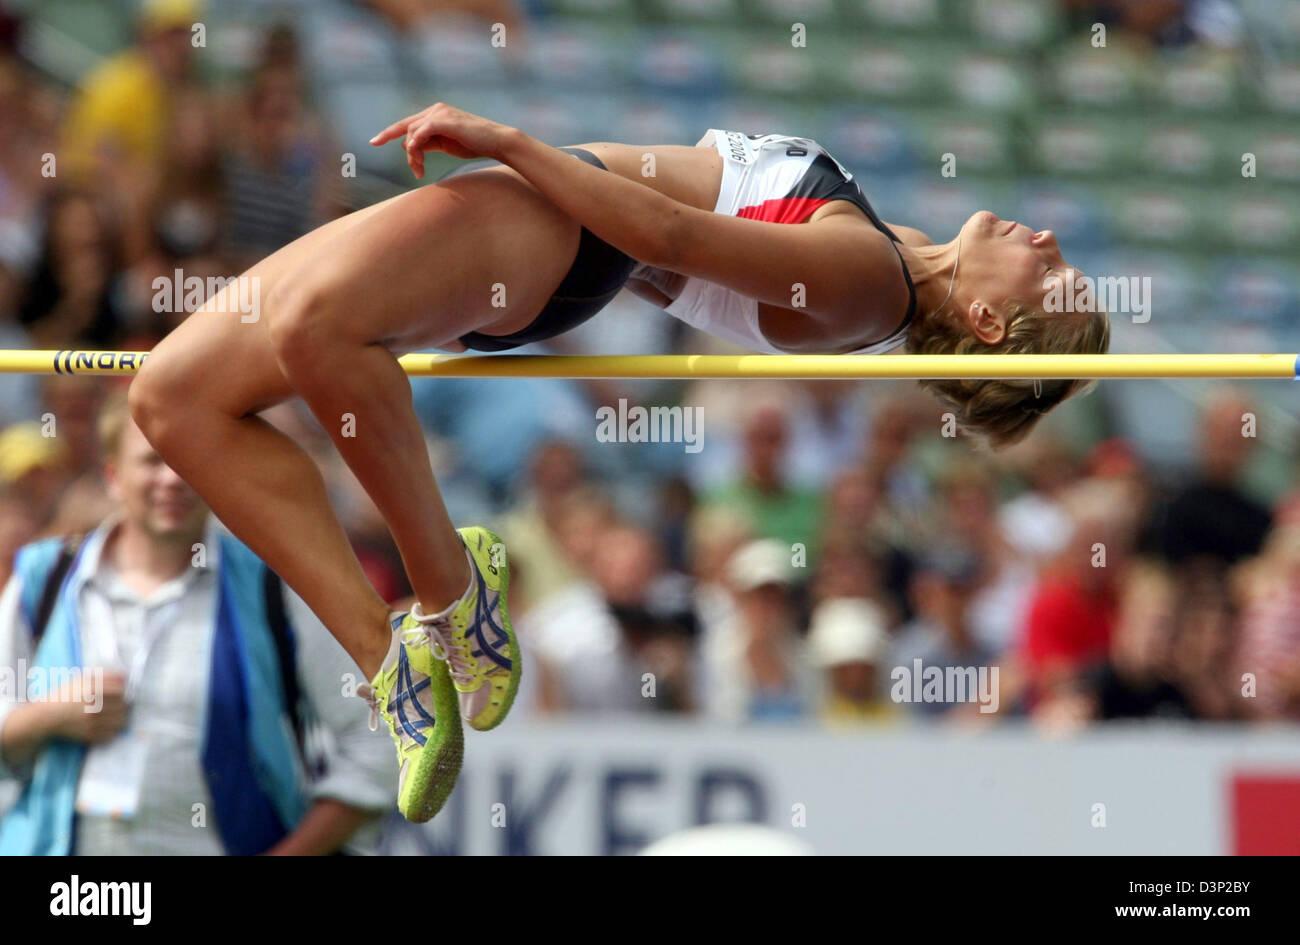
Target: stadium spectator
pixel 754 662
pixel 969 515
pixel 828 430
pixel 69 300
pixel 1212 515
pixel 28 132
pixel 941 635
pixel 1270 627
pixel 117 122
pixel 176 633
pixel 586 637
pixel 537 528
pixel 281 175
pixel 714 535
pixel 499 428
pixel 1071 613
pixel 71 408
pixel 847 642
pixel 761 491
pixel 1207 648
pixel 33 469
pixel 1139 680
pixel 889 462
pixel 1170 24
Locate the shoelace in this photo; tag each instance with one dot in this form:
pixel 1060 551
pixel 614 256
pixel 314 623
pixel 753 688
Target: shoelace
pixel 367 692
pixel 455 657
pixel 436 632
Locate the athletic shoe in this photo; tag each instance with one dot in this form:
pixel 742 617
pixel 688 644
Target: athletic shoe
pixel 474 635
pixel 413 693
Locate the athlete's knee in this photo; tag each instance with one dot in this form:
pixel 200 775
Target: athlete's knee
pixel 158 396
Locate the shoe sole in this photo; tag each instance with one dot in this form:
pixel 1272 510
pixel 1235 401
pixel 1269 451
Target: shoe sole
pixel 436 769
pixel 512 642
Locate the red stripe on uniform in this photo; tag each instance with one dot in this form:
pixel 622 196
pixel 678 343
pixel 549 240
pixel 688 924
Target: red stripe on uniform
pixel 782 209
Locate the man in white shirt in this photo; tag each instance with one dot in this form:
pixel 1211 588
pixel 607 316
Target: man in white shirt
pixel 148 585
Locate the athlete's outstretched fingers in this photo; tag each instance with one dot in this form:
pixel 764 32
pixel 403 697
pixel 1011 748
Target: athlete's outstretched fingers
pixel 393 131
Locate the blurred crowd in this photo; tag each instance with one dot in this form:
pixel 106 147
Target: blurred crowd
pixel 826 535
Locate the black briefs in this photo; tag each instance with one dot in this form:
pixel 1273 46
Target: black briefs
pixel 598 272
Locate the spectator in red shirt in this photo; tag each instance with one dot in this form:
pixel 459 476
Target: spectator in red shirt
pixel 1071 613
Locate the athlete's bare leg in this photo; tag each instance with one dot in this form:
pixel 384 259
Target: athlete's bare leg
pixel 416 271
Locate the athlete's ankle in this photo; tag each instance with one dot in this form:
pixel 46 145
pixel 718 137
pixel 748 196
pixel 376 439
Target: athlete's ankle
pixel 447 595
pixel 372 658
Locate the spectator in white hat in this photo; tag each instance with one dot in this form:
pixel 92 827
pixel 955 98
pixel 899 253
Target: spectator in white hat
pixel 755 665
pixel 847 641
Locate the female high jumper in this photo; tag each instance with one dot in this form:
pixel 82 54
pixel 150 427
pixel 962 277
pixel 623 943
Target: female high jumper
pixel 762 240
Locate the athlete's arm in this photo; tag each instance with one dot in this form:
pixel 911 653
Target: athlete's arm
pixel 839 261
pixel 831 266
pixel 627 215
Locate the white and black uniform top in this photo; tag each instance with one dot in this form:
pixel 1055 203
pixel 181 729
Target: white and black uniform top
pixel 776 179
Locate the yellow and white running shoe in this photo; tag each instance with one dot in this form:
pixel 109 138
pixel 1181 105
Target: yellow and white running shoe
pixel 414 694
pixel 474 636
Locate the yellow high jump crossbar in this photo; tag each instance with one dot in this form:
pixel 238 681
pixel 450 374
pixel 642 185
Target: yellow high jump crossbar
pixel 789 366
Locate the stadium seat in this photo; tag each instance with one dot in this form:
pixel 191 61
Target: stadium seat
pixel 1255 290
pixel 1276 148
pixel 1078 74
pixel 1280 88
pixel 782 14
pixel 1156 214
pixel 888 71
pixel 685 12
pixel 676 61
pixel 67 37
pixel 899 17
pixel 1250 215
pixel 1011 24
pixel 622 11
pixel 979 141
pixel 1183 148
pixel 874 139
pixel 1195 82
pixel 567 55
pixel 638 120
pixel 1079 143
pixel 774 68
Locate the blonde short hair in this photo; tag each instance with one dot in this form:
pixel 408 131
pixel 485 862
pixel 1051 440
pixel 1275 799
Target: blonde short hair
pixel 999 413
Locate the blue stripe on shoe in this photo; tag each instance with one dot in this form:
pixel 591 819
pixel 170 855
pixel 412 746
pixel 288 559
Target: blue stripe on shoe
pixel 483 615
pixel 403 692
pixel 412 688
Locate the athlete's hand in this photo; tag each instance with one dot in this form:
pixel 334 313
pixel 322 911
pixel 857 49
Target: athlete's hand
pixel 441 127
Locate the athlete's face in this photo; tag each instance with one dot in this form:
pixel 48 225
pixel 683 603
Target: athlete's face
pixel 1004 261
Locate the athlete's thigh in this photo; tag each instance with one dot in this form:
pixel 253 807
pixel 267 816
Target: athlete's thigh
pixel 484 250
pixel 481 251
